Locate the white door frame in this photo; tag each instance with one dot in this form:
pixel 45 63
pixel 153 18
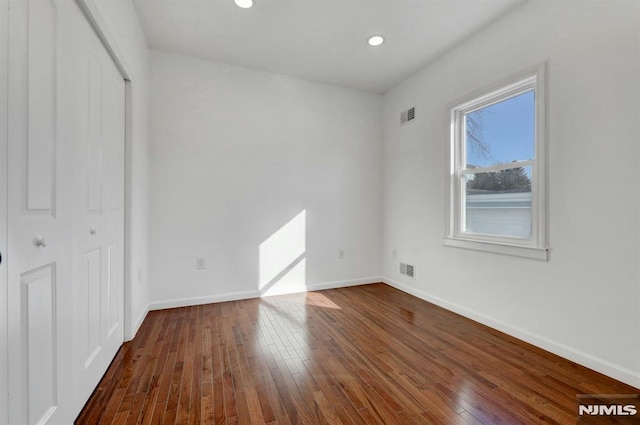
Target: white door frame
pixel 4 342
pixel 97 22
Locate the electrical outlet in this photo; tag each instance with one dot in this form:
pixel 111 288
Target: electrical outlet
pixel 200 263
pixel 341 254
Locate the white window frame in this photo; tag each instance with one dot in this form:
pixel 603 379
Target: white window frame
pixel 535 247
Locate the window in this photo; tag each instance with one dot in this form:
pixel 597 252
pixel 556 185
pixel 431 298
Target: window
pixel 497 170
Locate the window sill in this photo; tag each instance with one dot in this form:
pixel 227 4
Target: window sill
pixel 541 254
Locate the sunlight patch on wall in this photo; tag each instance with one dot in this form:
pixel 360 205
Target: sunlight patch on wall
pixel 282 263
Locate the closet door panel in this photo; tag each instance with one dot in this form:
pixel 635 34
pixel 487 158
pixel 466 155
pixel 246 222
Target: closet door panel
pixel 98 224
pixel 40 189
pixel 40 334
pixel 38 216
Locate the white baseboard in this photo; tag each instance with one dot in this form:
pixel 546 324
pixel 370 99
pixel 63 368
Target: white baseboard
pixel 605 367
pixel 235 296
pixel 344 283
pixel 186 302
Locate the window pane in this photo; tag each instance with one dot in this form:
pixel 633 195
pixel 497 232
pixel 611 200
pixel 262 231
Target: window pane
pixel 501 133
pixel 498 203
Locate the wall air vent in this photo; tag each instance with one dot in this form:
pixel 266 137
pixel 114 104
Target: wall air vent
pixel 406 269
pixel 408 116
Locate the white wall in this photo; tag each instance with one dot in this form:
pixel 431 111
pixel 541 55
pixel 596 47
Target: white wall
pixel 237 154
pixel 122 23
pixel 584 302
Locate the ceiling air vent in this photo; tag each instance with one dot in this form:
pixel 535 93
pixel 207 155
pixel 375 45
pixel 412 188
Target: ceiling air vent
pixel 406 269
pixel 408 116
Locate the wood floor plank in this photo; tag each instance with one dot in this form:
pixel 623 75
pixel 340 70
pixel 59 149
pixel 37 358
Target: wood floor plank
pixel 354 356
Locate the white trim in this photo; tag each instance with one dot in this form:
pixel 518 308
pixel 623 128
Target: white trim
pixel 499 248
pixel 533 78
pixel 236 296
pixel 97 22
pixel 209 299
pixel 344 283
pixel 605 367
pixel 130 275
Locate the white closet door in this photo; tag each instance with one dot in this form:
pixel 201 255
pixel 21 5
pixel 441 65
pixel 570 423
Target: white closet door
pixel 39 272
pixel 99 226
pixel 66 200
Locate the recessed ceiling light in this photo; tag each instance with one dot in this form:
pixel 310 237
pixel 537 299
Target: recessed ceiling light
pixel 376 40
pixel 245 4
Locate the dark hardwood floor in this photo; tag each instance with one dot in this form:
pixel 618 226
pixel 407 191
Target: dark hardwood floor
pixel 361 355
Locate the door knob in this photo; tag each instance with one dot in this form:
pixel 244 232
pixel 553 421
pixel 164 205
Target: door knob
pixel 40 242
